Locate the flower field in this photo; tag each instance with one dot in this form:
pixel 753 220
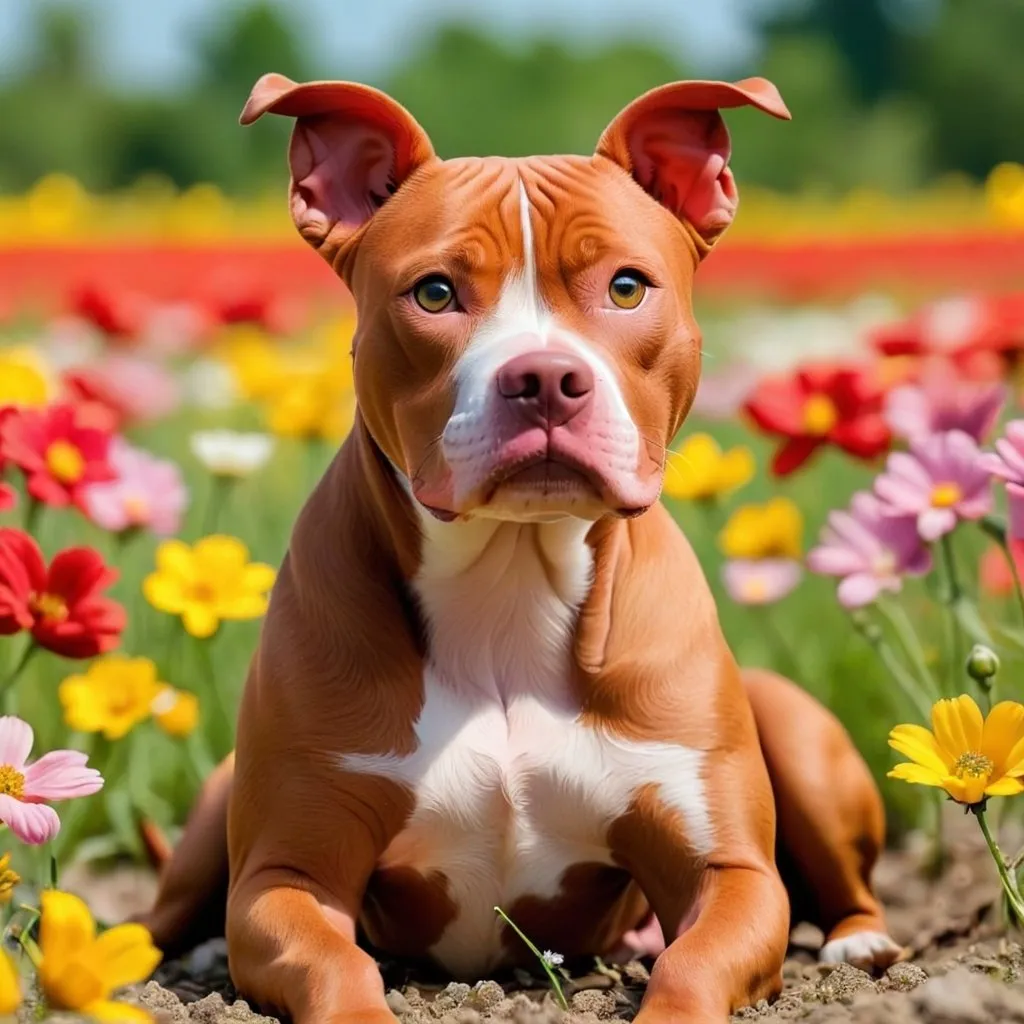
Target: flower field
pixel 852 477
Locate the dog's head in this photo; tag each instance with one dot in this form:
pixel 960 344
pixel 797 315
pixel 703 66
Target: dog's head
pixel 526 346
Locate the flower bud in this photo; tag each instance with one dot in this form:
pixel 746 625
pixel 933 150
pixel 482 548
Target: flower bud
pixel 982 664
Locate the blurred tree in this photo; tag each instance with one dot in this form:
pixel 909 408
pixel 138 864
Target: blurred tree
pixel 476 95
pixel 970 72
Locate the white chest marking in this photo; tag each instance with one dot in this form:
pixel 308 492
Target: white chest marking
pixel 511 788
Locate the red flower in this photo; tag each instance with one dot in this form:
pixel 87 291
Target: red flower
pixel 61 606
pixel 978 335
pixel 57 453
pixel 820 405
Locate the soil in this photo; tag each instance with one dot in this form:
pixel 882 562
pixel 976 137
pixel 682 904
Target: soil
pixel 961 966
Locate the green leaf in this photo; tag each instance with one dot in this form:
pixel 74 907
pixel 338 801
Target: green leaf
pixel 966 612
pixel 121 815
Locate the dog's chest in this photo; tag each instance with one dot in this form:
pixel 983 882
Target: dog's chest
pixel 511 786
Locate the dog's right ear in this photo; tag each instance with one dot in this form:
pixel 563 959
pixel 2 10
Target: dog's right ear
pixel 352 147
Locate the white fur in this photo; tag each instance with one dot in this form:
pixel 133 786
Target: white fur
pixel 511 788
pixel 520 323
pixel 860 948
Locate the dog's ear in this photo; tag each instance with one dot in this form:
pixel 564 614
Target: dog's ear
pixel 674 143
pixel 352 147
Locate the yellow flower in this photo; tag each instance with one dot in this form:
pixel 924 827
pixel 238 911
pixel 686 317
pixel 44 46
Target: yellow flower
pixel 175 711
pixel 211 581
pixel 10 985
pixel 80 971
pixel 113 696
pixel 971 758
pixel 254 360
pixel 701 471
pixel 9 878
pixel 23 378
pixel 772 530
pixel 311 404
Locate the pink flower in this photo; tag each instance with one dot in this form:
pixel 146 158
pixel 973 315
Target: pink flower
pixel 59 775
pixel 1007 463
pixel 722 392
pixel 941 402
pixel 148 492
pixel 761 580
pixel 870 550
pixel 939 482
pixel 127 388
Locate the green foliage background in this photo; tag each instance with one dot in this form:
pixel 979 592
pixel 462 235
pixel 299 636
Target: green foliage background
pixel 885 93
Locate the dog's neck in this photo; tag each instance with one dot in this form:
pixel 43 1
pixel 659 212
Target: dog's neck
pixel 500 600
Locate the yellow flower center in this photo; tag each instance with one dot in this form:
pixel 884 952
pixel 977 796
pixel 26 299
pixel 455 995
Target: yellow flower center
pixel 65 462
pixel 755 590
pixel 820 415
pixel 12 782
pixel 973 765
pixel 946 494
pixel 52 607
pixel 203 592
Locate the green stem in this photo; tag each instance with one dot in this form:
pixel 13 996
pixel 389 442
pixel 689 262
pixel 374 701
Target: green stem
pixel 998 532
pixel 897 618
pixel 907 683
pixel 548 969
pixel 952 598
pixel 33 509
pixel 1009 882
pixel 26 657
pixel 219 491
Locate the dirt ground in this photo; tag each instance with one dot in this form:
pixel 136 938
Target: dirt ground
pixel 962 966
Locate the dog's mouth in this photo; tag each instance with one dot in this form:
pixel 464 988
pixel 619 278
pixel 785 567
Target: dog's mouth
pixel 545 476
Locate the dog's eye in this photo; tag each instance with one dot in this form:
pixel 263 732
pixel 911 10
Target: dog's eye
pixel 628 289
pixel 434 294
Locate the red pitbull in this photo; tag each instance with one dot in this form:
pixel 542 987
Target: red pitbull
pixel 492 672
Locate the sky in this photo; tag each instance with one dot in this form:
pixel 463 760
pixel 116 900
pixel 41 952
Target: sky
pixel 145 43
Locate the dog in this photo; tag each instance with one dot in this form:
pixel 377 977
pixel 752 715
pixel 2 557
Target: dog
pixel 492 672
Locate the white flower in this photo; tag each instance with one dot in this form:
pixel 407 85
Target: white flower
pixel 210 384
pixel 552 959
pixel 229 453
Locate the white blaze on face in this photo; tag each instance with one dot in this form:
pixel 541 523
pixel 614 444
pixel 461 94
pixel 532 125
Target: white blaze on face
pixel 521 322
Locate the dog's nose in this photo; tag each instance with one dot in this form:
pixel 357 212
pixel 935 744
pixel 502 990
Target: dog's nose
pixel 547 388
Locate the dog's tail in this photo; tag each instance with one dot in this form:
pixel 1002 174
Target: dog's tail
pixel 192 897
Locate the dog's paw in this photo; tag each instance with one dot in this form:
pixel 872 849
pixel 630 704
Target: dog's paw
pixel 870 951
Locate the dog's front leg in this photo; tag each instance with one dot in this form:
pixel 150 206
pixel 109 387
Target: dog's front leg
pixel 728 952
pixel 293 948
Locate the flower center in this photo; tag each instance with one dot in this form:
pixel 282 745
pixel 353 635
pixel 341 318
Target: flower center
pixel 204 593
pixel 52 607
pixel 820 415
pixel 65 462
pixel 137 508
pixel 12 782
pixel 755 589
pixel 946 494
pixel 974 766
pixel 884 564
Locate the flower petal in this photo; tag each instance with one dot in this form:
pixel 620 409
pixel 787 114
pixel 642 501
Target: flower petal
pixel 917 743
pixel 61 775
pixel 31 823
pixel 199 619
pixel 110 1011
pixel 958 726
pixel 917 774
pixel 126 955
pixel 65 928
pixel 1005 787
pixel 858 590
pixel 15 741
pixel 1003 730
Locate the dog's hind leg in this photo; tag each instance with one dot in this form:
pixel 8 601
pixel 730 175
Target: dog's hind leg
pixel 831 822
pixel 192 896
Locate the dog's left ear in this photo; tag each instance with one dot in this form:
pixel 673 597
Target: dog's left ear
pixel 674 143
